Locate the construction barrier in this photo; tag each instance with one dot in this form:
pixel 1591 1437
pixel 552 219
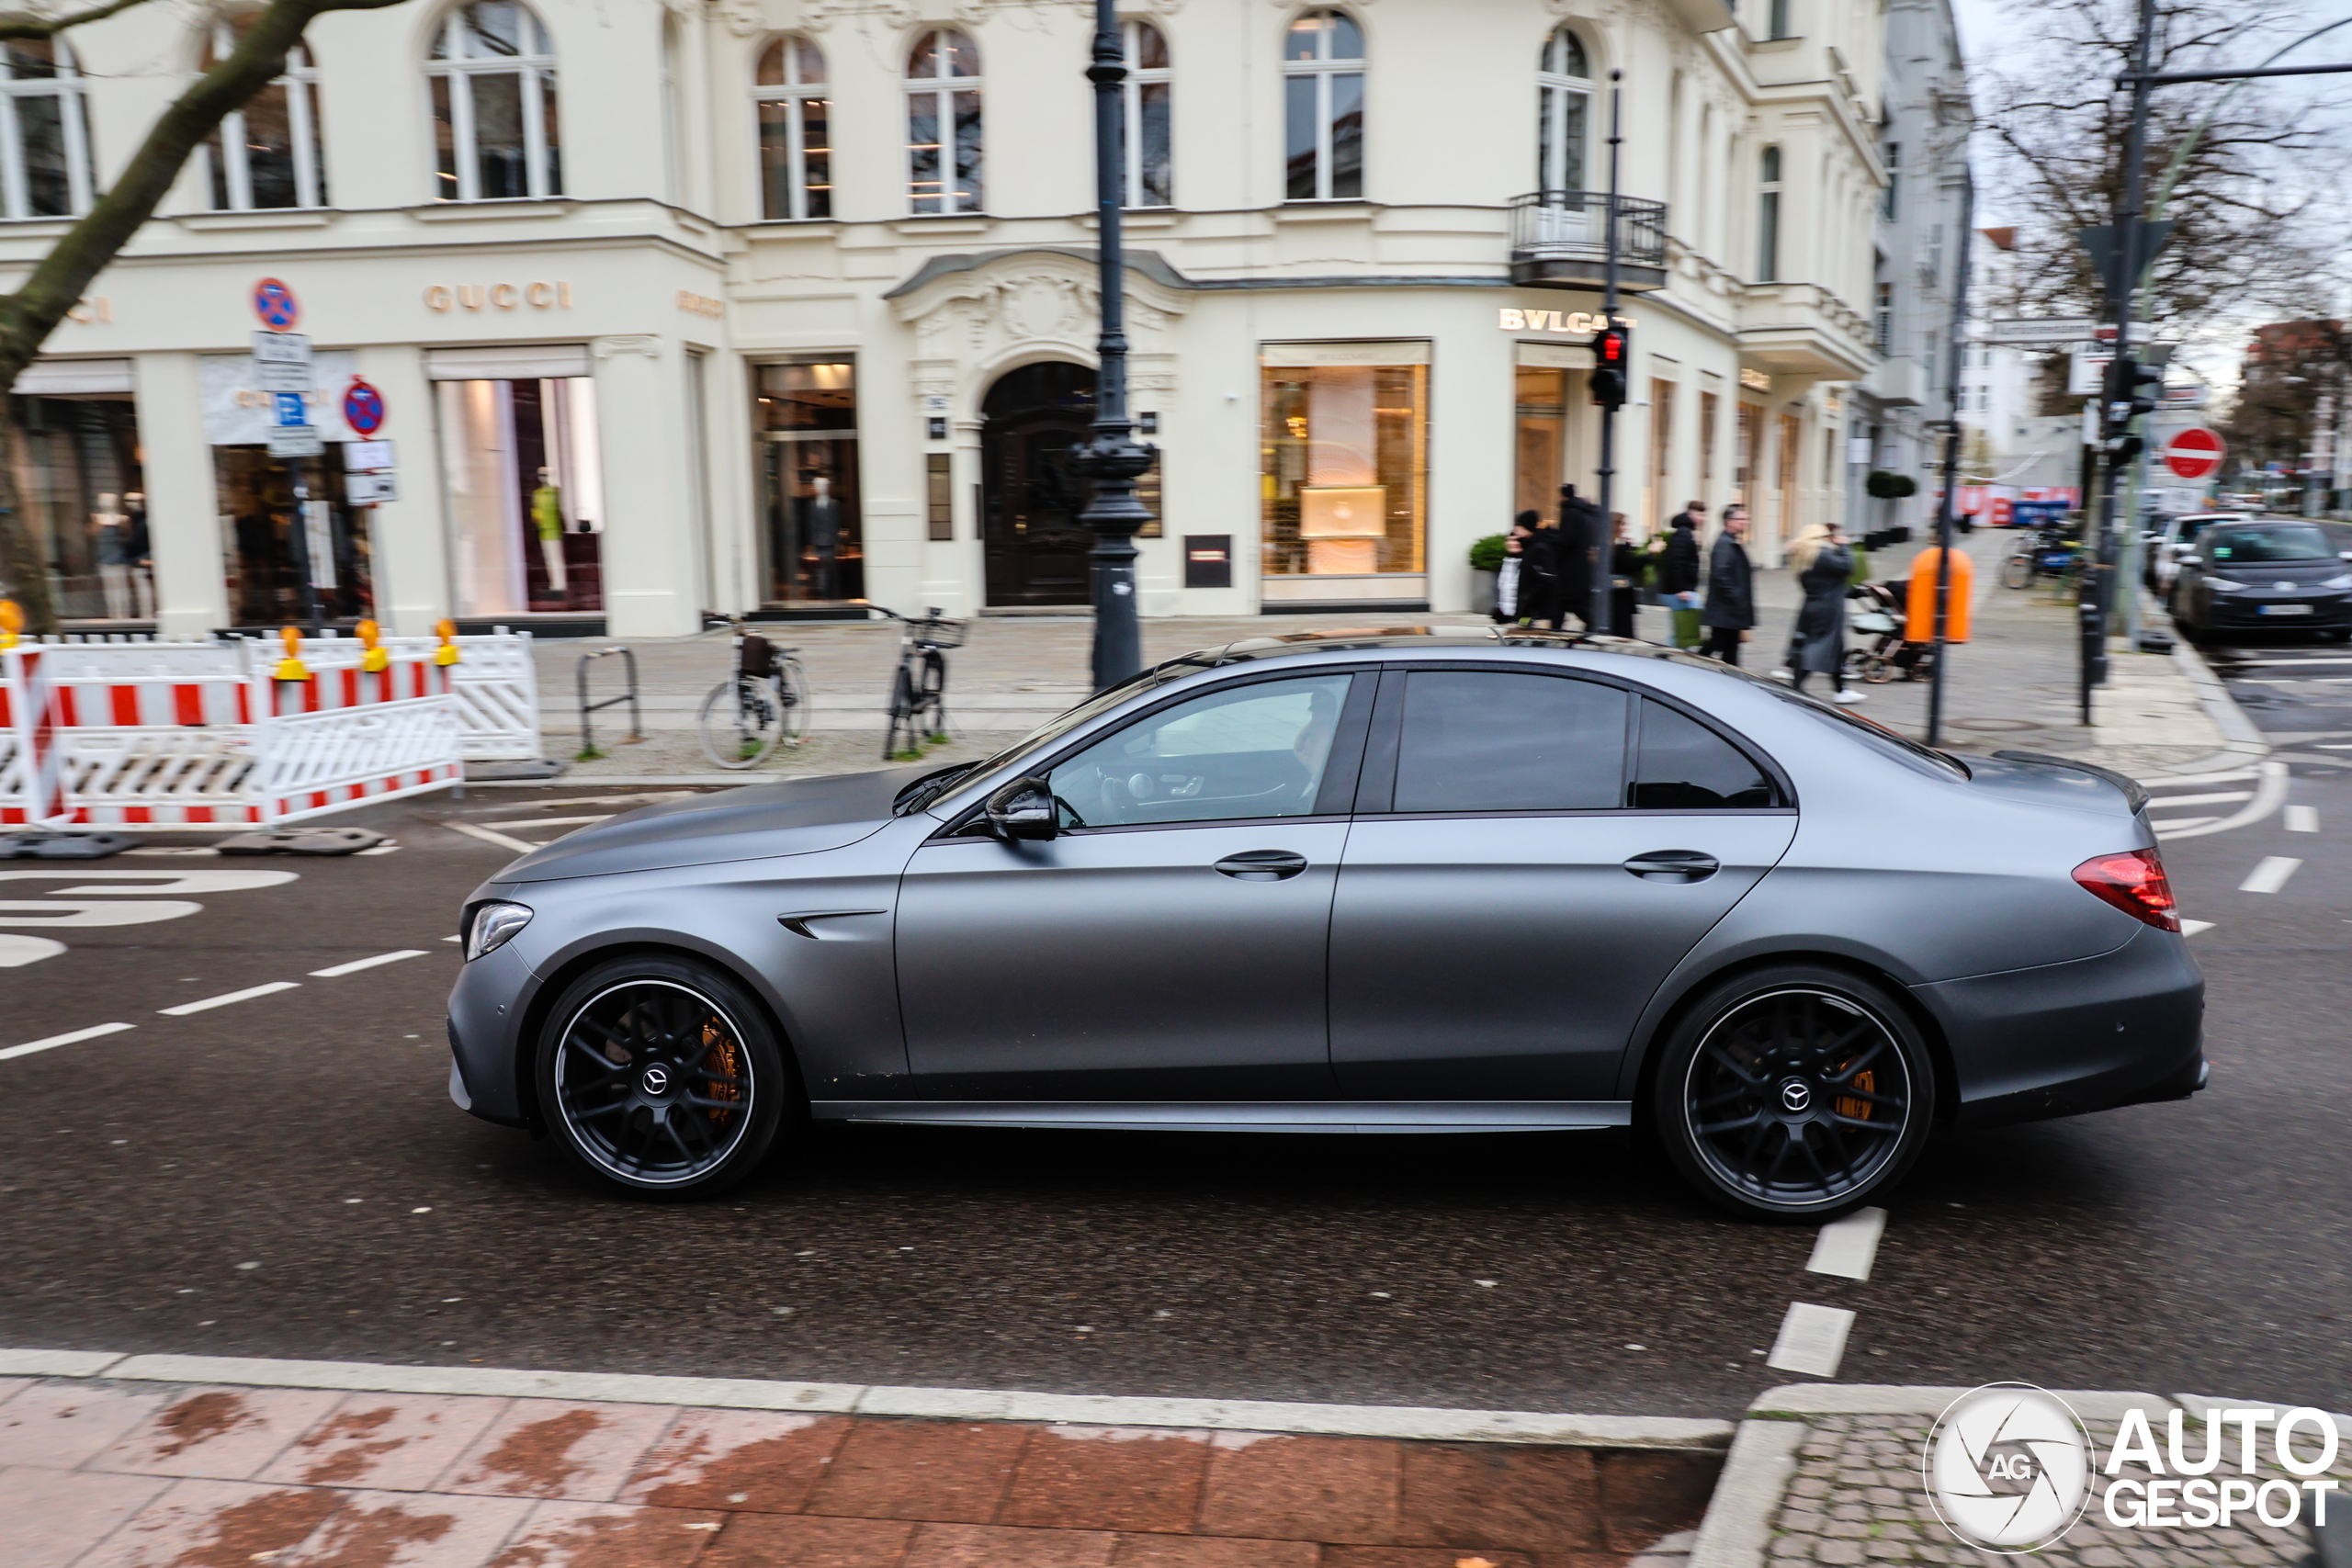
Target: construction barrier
pixel 155 734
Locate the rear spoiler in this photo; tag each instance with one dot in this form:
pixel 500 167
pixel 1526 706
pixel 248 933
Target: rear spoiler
pixel 2134 794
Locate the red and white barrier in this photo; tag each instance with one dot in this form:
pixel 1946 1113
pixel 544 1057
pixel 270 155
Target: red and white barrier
pixel 167 735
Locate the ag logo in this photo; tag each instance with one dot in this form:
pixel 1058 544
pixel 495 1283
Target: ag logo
pixel 2007 1467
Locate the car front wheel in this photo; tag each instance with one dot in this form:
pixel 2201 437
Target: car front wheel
pixel 1794 1093
pixel 662 1076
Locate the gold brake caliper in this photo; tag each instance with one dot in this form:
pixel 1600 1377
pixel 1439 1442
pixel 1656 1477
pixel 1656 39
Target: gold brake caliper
pixel 719 1047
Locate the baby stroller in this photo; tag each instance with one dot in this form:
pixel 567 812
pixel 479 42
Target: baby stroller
pixel 1882 655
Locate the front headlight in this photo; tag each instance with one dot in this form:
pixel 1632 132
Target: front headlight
pixel 2223 585
pixel 494 924
pixel 2344 580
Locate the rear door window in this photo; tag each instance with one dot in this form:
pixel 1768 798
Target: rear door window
pixel 1682 765
pixel 1481 740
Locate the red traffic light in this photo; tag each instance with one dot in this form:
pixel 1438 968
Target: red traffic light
pixel 1608 347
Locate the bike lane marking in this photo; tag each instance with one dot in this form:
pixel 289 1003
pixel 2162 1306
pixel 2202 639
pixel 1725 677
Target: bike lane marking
pixel 357 964
pixel 1846 1247
pixel 488 837
pixel 1813 1339
pixel 2271 874
pixel 74 1037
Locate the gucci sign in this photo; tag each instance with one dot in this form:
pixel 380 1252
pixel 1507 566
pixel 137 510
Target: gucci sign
pixel 498 296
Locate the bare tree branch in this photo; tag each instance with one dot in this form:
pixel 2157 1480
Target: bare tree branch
pixel 38 26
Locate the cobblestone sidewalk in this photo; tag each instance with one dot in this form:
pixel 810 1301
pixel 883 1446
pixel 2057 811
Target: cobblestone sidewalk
pixel 129 1473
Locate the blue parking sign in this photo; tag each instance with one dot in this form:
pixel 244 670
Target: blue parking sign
pixel 290 408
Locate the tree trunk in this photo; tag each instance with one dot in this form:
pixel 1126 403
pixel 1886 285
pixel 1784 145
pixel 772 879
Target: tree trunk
pixel 24 576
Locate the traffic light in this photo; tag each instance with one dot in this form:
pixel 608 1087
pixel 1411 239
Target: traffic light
pixel 1612 349
pixel 2132 389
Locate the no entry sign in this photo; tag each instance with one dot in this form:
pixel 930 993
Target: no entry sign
pixel 2193 453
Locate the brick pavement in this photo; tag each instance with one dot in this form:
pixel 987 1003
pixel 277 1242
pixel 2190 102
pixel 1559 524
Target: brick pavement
pixel 98 1474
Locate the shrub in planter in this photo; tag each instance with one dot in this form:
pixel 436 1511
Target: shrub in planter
pixel 1890 487
pixel 1487 554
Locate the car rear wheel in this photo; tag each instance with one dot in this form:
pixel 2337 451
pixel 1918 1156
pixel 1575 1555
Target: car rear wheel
pixel 1794 1093
pixel 662 1076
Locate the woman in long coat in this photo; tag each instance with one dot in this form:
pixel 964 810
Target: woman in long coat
pixel 1819 646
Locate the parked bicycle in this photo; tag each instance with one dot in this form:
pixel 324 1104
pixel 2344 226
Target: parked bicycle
pixel 2050 552
pixel 763 705
pixel 919 689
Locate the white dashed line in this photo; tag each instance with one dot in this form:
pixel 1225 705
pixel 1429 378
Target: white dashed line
pixel 1846 1248
pixel 2190 928
pixel 1813 1339
pixel 453 939
pixel 548 821
pixel 2216 798
pixel 487 836
pixel 2302 819
pixel 380 850
pixel 2270 875
pixel 357 964
pixel 29 1046
pixel 247 995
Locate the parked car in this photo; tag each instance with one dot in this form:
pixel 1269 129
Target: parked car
pixel 1375 882
pixel 2267 573
pixel 2176 537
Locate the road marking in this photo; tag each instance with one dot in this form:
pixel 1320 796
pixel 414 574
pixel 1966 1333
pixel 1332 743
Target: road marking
pixel 117 912
pixel 247 995
pixel 2190 928
pixel 357 964
pixel 2302 819
pixel 2202 779
pixel 453 939
pixel 547 822
pixel 2314 659
pixel 2173 824
pixel 1846 1248
pixel 2216 798
pixel 148 884
pixel 2270 875
pixel 1813 1339
pixel 2268 796
pixel 2335 745
pixel 29 1046
pixel 487 836
pixel 16 951
pixel 380 850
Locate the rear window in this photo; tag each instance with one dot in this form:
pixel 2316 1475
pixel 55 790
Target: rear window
pixel 2242 543
pixel 1682 765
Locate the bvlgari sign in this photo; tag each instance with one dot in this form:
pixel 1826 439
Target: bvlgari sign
pixel 1579 322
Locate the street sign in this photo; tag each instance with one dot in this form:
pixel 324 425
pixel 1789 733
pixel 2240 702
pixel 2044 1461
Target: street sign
pixel 276 305
pixel 2085 373
pixel 281 362
pixel 295 441
pixel 290 409
pixel 2188 395
pixel 2194 454
pixel 2054 330
pixel 371 489
pixel 361 455
pixel 363 408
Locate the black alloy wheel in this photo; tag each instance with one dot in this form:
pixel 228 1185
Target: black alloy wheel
pixel 662 1077
pixel 1796 1093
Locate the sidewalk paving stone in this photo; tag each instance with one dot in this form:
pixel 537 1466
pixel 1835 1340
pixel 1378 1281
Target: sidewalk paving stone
pixel 333 1479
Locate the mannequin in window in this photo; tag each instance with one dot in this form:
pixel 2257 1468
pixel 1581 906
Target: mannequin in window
pixel 547 516
pixel 820 525
pixel 111 532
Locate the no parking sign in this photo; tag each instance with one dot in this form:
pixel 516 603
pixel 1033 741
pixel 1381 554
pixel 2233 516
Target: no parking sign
pixel 276 305
pixel 363 408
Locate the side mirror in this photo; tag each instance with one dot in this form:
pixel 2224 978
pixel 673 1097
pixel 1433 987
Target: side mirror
pixel 1022 809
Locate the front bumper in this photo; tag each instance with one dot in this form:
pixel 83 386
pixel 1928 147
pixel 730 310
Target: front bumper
pixel 486 1011
pixel 2249 609
pixel 2124 1028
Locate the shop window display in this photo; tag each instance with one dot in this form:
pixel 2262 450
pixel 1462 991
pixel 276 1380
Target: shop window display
pixel 283 521
pixel 811 535
pixel 76 465
pixel 1345 470
pixel 527 507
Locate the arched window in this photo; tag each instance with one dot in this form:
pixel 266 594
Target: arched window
pixel 943 123
pixel 1323 109
pixel 45 128
pixel 1768 216
pixel 1150 175
pixel 266 153
pixel 796 139
pixel 493 76
pixel 1563 96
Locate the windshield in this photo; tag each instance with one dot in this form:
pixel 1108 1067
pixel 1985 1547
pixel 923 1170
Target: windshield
pixel 2246 542
pixel 2192 526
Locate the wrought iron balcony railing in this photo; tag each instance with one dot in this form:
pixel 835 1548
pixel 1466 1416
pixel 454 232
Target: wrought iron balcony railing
pixel 1560 238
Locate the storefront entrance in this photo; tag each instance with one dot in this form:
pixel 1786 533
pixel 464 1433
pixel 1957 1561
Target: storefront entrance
pixel 284 523
pixel 76 463
pixel 1032 542
pixel 527 503
pixel 813 542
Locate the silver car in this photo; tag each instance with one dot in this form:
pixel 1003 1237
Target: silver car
pixel 1388 882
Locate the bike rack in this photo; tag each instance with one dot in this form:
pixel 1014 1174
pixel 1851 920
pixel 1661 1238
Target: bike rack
pixel 636 721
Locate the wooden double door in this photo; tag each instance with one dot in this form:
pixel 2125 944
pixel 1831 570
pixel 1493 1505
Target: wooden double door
pixel 1032 545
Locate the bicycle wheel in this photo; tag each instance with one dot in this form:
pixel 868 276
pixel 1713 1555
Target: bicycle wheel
pixel 933 694
pixel 902 736
pixel 1877 671
pixel 2017 572
pixel 792 697
pixel 740 722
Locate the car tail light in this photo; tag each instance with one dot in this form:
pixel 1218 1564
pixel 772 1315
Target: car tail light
pixel 2134 882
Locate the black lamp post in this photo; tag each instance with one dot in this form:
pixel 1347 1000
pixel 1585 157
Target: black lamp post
pixel 1112 458
pixel 1596 606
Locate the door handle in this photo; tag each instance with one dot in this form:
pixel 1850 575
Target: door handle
pixel 1262 866
pixel 1675 865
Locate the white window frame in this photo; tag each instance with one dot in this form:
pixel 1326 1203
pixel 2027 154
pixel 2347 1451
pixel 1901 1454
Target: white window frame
pixel 302 84
pixel 1773 158
pixel 1131 107
pixel 1324 68
pixel 942 88
pixel 534 68
pixel 67 87
pixel 1553 86
pixel 795 94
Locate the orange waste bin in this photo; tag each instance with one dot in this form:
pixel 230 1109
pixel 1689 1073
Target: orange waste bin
pixel 1919 617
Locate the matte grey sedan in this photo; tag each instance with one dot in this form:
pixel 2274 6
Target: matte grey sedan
pixel 1388 882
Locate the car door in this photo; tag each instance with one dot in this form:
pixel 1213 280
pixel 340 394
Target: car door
pixel 1533 852
pixel 1170 943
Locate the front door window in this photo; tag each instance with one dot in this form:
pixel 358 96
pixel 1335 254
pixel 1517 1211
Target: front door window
pixel 1250 751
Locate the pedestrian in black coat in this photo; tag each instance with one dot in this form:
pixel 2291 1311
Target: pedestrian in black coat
pixel 1581 537
pixel 1731 589
pixel 1624 577
pixel 1539 571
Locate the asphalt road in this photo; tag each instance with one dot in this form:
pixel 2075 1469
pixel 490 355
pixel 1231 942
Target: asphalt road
pixel 284 1176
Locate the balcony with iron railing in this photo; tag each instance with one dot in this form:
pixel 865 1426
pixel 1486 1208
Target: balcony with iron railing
pixel 1559 239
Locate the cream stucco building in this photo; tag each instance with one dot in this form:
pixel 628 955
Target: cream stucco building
pixel 779 345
